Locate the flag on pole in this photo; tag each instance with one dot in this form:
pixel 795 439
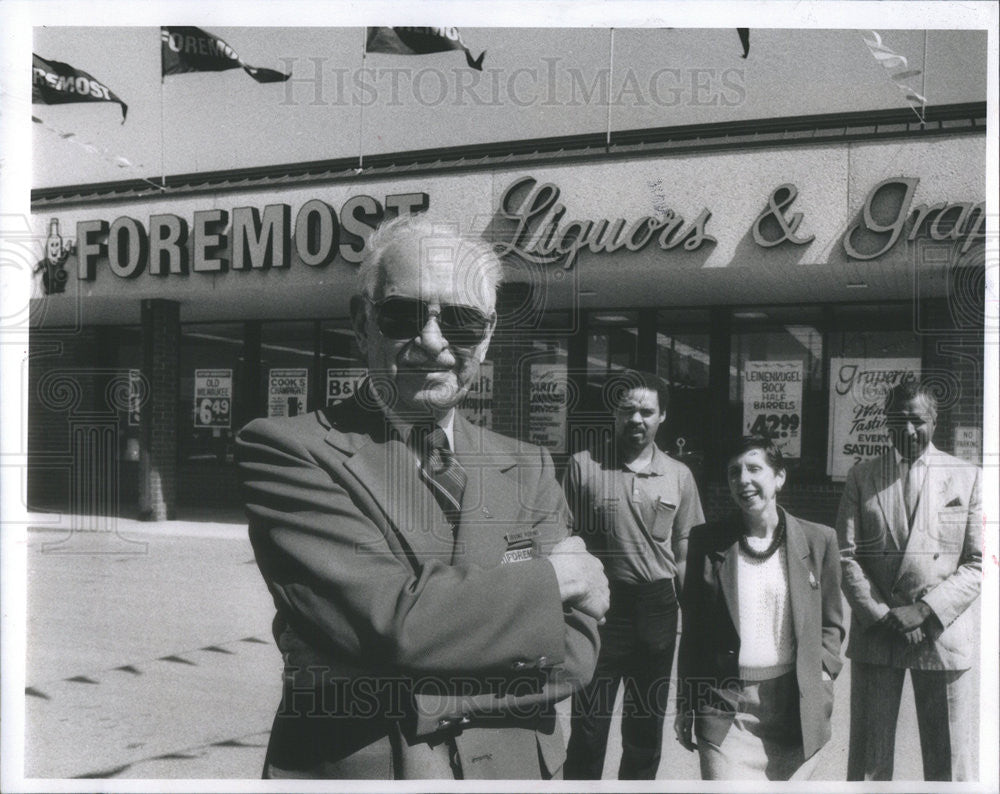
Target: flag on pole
pixel 187 49
pixel 744 34
pixel 891 60
pixel 57 83
pixel 420 41
pixel 91 148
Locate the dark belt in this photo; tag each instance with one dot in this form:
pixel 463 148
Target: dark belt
pixel 641 591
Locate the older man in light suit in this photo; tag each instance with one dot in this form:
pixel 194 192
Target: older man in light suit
pixel 910 527
pixel 430 607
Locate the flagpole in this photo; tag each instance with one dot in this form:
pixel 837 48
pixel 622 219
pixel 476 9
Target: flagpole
pixel 361 119
pixel 163 169
pixel 923 85
pixel 611 80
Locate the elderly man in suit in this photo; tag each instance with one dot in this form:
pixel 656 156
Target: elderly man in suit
pixel 910 527
pixel 431 608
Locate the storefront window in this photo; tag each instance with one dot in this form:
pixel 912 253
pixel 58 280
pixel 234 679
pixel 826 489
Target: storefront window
pixel 210 360
pixel 551 395
pixel 612 343
pixel 287 352
pixel 341 363
pixel 874 331
pixel 776 382
pixel 129 429
pixel 682 358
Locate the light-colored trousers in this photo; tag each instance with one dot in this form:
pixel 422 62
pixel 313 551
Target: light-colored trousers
pixel 947 719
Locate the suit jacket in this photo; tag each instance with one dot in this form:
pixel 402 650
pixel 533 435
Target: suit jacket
pixel 709 652
pixel 390 624
pixel 939 561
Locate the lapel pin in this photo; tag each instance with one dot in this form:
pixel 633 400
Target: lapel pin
pixel 487 513
pixel 812 581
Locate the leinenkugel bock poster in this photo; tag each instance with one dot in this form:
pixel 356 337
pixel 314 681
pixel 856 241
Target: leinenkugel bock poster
pixel 772 403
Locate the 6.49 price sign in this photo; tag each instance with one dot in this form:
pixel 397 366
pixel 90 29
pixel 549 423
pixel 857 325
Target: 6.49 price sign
pixel 213 397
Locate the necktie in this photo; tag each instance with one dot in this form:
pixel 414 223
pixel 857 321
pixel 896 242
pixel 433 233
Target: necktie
pixel 440 470
pixel 911 490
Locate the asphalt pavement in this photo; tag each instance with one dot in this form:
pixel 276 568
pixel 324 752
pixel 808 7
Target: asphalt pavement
pixel 150 656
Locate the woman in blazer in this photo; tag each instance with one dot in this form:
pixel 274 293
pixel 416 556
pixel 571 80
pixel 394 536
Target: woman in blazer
pixel 762 630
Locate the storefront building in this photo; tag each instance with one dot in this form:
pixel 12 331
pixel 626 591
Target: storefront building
pixel 777 273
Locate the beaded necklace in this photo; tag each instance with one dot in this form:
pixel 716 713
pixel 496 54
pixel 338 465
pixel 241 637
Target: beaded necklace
pixel 776 541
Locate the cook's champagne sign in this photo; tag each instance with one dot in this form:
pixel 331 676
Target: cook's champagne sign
pixel 287 392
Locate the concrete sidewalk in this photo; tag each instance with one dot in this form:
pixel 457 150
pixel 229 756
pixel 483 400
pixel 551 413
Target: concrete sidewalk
pixel 150 656
pixel 149 652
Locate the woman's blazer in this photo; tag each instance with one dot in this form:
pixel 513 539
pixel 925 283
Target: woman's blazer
pixel 708 659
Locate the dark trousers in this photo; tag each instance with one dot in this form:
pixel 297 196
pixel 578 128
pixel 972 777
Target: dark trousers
pixel 637 646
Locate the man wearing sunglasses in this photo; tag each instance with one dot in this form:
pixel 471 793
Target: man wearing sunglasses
pixel 430 607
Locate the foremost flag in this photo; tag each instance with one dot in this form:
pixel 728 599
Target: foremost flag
pixel 744 34
pixel 57 83
pixel 420 41
pixel 185 49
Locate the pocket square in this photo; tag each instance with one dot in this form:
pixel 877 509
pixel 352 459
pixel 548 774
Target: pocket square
pixel 956 502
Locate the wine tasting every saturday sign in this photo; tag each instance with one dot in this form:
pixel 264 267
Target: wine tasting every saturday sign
pixel 772 403
pixel 857 416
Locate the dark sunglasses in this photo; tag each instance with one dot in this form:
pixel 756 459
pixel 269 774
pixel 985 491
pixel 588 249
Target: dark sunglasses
pixel 405 318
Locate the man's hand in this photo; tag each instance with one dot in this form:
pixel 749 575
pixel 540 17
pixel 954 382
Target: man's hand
pixel 582 583
pixel 914 636
pixel 684 728
pixel 905 619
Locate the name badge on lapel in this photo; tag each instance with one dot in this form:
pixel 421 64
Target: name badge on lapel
pixel 520 546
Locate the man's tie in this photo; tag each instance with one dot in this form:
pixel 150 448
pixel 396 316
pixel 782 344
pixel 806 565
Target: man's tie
pixel 911 490
pixel 440 470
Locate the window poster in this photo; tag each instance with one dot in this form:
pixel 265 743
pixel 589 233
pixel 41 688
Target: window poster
pixel 287 391
pixel 772 403
pixel 478 404
pixel 547 416
pixel 857 421
pixel 342 383
pixel 213 398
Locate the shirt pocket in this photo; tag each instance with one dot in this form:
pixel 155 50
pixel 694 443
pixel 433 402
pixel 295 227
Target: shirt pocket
pixel 663 520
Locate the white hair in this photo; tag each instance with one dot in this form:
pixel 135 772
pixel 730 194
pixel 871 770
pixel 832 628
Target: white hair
pixel 474 260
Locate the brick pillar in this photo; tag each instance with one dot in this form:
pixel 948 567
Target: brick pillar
pixel 511 343
pixel 158 437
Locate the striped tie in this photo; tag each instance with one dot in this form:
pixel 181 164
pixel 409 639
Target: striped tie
pixel 440 470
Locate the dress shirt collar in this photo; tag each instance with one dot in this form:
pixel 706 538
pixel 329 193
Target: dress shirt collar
pixel 650 461
pixel 924 458
pixel 403 426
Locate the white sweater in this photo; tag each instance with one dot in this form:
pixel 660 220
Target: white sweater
pixel 767 638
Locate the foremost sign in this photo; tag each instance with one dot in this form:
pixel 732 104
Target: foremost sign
pixel 245 239
pixel 531 222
